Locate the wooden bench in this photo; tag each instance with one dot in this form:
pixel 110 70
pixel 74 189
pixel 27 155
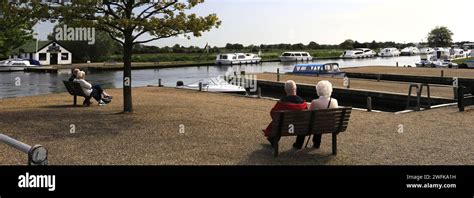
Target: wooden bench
pixel 310 122
pixel 75 90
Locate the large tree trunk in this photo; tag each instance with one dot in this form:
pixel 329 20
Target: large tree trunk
pixel 127 73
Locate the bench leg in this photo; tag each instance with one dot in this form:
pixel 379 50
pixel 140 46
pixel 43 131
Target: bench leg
pixel 275 148
pixel 334 144
pixel 75 100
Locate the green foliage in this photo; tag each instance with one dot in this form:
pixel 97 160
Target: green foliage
pixel 16 23
pixel 440 37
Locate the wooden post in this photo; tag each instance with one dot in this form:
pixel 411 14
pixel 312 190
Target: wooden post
pixel 259 92
pixel 442 73
pixel 461 99
pixel 200 86
pixel 378 77
pixel 369 104
pixel 397 64
pixel 159 83
pixel 334 144
pixel 278 74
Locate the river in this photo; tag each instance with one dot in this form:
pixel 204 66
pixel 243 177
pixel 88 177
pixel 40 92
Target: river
pixel 15 84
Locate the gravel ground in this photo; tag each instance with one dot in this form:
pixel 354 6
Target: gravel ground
pixel 221 129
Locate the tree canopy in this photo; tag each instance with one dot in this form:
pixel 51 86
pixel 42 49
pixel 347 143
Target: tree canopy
pixel 440 37
pixel 127 21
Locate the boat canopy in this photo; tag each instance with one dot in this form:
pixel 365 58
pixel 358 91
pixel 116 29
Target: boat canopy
pixel 312 68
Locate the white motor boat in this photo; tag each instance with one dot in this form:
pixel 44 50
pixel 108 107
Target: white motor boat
pixel 389 52
pixel 366 53
pixel 458 53
pixel 444 64
pixel 295 56
pixel 358 53
pixel 426 50
pixel 409 51
pixel 213 85
pixel 15 65
pixel 237 58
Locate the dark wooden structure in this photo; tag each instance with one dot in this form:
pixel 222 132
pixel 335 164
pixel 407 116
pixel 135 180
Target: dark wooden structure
pixel 310 122
pixel 465 96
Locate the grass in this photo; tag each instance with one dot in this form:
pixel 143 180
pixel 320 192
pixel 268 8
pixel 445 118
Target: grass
pixel 461 61
pixel 202 57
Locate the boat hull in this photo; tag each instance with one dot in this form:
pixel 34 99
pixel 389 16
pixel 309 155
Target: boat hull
pixel 10 68
pixel 238 62
pixel 295 59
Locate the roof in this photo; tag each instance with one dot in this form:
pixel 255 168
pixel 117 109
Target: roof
pixel 30 47
pixel 308 65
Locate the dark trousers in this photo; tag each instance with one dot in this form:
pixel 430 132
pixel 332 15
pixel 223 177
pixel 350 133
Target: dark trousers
pixel 300 141
pixel 97 92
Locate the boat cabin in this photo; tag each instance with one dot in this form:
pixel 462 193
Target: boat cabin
pixel 331 69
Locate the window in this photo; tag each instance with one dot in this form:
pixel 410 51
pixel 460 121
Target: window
pixel 223 56
pixel 241 56
pixel 297 54
pixel 42 56
pixel 357 53
pixel 305 54
pixel 286 54
pixel 64 56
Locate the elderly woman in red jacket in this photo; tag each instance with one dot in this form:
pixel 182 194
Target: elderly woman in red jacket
pixel 291 102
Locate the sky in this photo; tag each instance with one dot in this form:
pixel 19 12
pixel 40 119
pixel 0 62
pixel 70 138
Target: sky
pixel 324 21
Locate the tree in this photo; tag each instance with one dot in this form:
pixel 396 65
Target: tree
pixel 347 44
pixel 313 45
pixel 127 20
pixel 440 37
pixel 82 51
pixel 16 24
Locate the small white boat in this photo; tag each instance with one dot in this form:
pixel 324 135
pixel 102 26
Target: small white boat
pixel 409 51
pixel 213 85
pixel 389 52
pixel 15 65
pixel 237 58
pixel 426 50
pixel 458 53
pixel 444 64
pixel 295 56
pixel 358 53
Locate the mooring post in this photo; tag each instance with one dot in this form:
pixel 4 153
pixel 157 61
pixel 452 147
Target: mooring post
pixel 278 74
pixel 442 73
pixel 259 92
pixel 378 77
pixel 159 82
pixel 369 103
pixel 397 64
pixel 200 86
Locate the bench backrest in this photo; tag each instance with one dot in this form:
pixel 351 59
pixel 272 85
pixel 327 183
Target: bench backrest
pixel 74 88
pixel 291 123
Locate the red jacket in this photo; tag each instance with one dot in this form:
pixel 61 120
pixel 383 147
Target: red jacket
pixel 282 106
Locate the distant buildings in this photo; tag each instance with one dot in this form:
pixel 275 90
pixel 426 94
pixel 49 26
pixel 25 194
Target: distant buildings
pixel 46 52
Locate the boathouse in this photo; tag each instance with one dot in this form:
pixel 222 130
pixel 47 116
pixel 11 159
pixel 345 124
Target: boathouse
pixel 46 52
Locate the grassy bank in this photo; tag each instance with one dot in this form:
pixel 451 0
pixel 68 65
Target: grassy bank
pixel 203 57
pixel 462 61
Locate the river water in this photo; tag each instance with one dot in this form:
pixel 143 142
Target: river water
pixel 15 84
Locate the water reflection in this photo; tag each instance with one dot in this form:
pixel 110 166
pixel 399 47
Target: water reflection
pixel 44 83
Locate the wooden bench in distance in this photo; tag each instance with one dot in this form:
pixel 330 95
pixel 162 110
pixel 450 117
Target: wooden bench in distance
pixel 310 122
pixel 75 90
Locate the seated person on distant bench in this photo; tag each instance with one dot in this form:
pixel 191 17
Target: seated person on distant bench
pixel 324 91
pixel 290 102
pixel 94 91
pixel 74 74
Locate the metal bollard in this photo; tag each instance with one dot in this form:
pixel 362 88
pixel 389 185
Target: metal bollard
pixel 159 83
pixel 397 64
pixel 378 77
pixel 278 74
pixel 200 86
pixel 369 104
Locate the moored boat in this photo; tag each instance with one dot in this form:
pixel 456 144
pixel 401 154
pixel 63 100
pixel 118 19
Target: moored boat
pixel 237 58
pixel 328 69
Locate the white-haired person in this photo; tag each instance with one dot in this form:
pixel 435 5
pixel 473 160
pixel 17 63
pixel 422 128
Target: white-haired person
pixel 74 74
pixel 324 91
pixel 291 102
pixel 95 91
